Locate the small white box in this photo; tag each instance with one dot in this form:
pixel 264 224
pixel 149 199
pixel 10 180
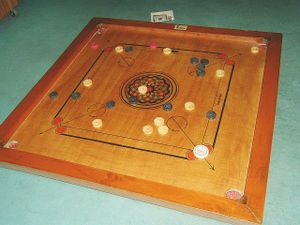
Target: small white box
pixel 162 16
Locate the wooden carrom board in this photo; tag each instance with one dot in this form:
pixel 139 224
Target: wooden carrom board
pixel 215 89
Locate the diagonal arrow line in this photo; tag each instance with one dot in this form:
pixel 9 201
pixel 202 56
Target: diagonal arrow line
pixel 185 134
pixel 211 166
pixel 47 130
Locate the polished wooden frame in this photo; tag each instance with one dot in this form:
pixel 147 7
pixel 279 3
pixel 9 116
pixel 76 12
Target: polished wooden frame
pixel 6 6
pixel 248 212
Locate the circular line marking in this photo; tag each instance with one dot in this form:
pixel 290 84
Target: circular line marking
pixel 96 110
pixel 125 61
pixel 174 121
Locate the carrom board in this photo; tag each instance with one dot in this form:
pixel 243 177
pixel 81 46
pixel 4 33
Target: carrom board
pixel 176 115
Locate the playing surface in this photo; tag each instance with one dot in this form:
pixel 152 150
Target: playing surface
pixel 180 116
pixel 120 145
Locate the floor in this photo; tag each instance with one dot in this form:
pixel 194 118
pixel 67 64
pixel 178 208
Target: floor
pixel 29 45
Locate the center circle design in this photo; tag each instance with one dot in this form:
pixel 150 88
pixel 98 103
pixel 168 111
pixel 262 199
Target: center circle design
pixel 161 88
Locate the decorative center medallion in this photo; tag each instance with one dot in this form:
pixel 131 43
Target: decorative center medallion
pixel 149 90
